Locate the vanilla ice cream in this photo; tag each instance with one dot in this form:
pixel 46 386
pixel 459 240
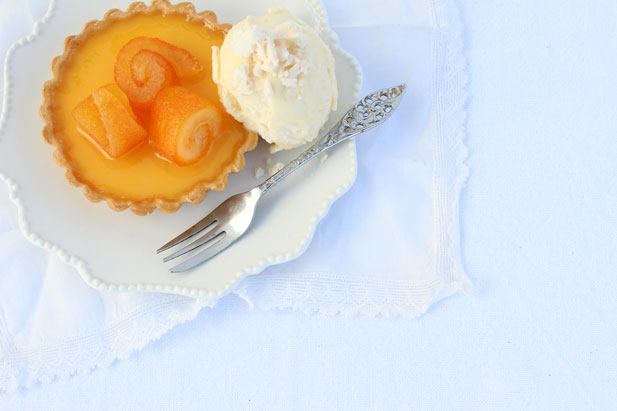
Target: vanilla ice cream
pixel 276 76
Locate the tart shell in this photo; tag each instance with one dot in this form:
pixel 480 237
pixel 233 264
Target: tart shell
pixel 48 113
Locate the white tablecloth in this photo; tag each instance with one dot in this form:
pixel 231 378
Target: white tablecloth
pixel 538 234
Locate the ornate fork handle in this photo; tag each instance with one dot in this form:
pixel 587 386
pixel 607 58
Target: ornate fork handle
pixel 369 112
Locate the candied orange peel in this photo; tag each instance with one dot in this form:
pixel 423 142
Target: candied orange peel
pixel 106 118
pixel 147 65
pixel 183 125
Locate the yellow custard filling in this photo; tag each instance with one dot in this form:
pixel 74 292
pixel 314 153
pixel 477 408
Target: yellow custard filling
pixel 141 175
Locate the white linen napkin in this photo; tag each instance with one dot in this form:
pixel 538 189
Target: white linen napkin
pixel 389 246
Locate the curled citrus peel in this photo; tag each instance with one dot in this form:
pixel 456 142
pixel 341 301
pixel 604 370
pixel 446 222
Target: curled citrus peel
pixel 147 65
pixel 106 118
pixel 183 125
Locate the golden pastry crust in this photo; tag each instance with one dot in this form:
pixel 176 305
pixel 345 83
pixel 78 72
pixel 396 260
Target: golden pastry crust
pixel 49 114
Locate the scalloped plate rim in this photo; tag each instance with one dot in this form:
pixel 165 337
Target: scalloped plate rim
pixel 80 265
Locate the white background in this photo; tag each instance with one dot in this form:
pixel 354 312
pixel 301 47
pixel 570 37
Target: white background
pixel 539 219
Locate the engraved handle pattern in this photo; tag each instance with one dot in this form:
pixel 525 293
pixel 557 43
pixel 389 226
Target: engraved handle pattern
pixel 369 112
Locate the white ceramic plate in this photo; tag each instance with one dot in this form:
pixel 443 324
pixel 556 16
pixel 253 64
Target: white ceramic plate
pixel 116 251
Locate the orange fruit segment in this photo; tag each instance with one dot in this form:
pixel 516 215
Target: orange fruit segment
pixel 147 65
pixel 183 125
pixel 106 119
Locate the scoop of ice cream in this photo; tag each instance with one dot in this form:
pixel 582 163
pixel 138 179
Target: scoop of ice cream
pixel 276 76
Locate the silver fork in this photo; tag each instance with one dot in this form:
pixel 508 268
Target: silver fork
pixel 227 222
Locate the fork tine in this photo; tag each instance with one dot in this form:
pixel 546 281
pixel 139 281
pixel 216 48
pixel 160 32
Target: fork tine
pixel 203 256
pixel 206 222
pixel 207 239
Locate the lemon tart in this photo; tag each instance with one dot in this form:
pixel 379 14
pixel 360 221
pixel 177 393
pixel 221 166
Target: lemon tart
pixel 133 112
